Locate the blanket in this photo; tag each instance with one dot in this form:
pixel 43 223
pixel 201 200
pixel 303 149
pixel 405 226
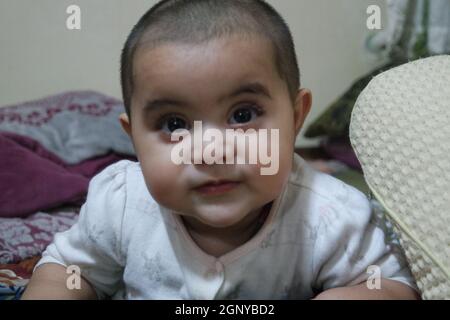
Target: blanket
pixel 34 179
pixel 50 149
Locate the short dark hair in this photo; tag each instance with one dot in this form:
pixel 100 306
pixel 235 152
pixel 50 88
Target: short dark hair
pixel 197 21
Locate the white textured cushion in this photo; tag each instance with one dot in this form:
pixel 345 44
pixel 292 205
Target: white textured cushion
pixel 400 131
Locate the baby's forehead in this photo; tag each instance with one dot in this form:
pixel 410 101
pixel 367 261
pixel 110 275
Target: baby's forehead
pixel 222 62
pixel 264 45
pixel 259 52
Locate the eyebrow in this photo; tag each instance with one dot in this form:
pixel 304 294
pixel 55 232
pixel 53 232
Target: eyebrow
pixel 255 88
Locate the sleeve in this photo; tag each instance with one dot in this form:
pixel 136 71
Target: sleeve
pixel 353 246
pixel 94 243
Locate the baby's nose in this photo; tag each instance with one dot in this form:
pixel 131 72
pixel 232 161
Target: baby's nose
pixel 210 146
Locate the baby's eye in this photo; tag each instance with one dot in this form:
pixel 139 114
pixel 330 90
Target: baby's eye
pixel 172 123
pixel 244 115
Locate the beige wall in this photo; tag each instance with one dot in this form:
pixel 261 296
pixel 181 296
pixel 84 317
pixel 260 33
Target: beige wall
pixel 39 56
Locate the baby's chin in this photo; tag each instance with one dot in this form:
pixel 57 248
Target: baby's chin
pixel 222 215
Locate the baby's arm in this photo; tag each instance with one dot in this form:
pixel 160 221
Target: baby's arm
pixel 49 282
pixel 389 290
pixel 353 240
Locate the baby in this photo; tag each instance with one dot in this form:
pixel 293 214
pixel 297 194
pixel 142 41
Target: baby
pixel 158 229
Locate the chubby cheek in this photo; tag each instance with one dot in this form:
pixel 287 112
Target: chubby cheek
pixel 270 186
pixel 160 182
pixel 161 175
pixel 281 158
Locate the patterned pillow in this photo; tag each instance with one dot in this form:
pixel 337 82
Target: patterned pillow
pixel 75 125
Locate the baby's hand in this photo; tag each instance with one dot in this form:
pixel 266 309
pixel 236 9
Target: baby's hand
pixel 49 281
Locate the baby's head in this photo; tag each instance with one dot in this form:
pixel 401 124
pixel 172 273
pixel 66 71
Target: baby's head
pixel 230 64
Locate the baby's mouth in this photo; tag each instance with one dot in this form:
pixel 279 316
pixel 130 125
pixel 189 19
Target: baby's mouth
pixel 216 187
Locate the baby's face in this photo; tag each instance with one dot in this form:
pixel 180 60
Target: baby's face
pixel 228 83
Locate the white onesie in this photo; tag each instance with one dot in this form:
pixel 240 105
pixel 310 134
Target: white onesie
pixel 319 234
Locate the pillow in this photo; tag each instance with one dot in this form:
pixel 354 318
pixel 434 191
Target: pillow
pixel 400 130
pixel 75 126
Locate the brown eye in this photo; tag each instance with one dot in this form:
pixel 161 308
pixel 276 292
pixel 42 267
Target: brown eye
pixel 244 115
pixel 173 123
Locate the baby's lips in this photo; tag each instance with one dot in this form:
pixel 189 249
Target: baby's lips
pixel 217 187
pixel 213 181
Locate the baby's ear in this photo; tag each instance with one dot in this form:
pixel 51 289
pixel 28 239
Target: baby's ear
pixel 302 107
pixel 125 123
